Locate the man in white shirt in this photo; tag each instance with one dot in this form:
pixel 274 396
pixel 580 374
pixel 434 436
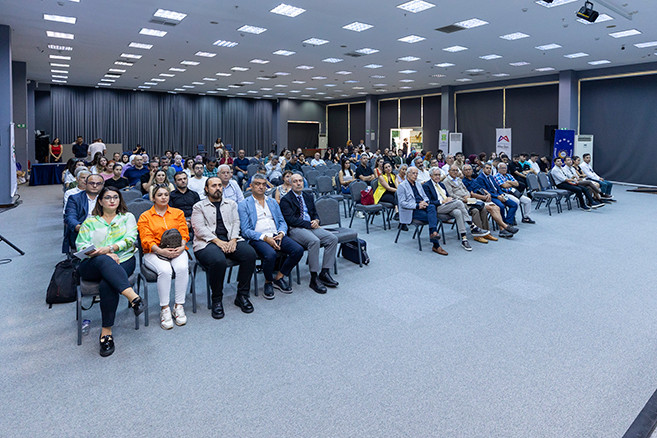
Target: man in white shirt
pixel 231 190
pixel 274 173
pixel 197 181
pixel 96 146
pixel 81 175
pixel 422 174
pixel 448 164
pixel 317 161
pixel 533 163
pixel 563 182
pixel 592 188
pixel 605 186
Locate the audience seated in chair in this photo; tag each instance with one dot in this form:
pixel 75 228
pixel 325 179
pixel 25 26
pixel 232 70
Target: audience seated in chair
pixel 364 172
pixel 183 198
pixel 112 231
pixel 117 181
pixel 511 189
pixel 385 190
pixel 216 225
pixel 274 172
pixel 298 208
pixel 487 184
pixel 264 227
pixel 135 173
pixel 414 204
pixel 81 174
pixel 240 165
pixel 78 209
pixel 165 261
pixel 563 182
pixel 422 174
pixel 593 188
pixel 210 168
pixel 587 169
pixel 196 182
pixel 230 189
pixel 282 189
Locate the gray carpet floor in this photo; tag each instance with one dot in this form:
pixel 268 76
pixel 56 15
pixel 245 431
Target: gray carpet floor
pixel 550 334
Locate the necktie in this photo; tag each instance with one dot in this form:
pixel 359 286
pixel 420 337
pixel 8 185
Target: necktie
pixel 301 204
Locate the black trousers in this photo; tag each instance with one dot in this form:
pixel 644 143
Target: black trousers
pixel 579 192
pixel 113 280
pixel 214 261
pixel 388 197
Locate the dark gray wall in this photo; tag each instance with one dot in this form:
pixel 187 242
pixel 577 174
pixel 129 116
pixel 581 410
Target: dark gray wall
pixel 432 120
pixel 19 85
pixel 338 118
pixel 410 113
pixel 387 121
pixel 43 112
pixel 528 110
pixel 306 111
pixel 357 122
pixel 477 116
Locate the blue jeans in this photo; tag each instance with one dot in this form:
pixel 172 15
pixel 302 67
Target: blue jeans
pixel 240 178
pixel 291 249
pixel 428 215
pixel 508 216
pixel 605 186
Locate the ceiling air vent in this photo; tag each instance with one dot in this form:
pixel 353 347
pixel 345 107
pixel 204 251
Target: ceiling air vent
pixel 450 29
pixel 164 21
pixel 354 54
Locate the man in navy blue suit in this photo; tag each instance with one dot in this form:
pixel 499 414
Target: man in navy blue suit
pixel 264 227
pixel 488 183
pixel 78 208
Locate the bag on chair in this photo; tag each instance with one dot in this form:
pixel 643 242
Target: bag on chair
pixel 63 284
pixel 350 251
pixel 367 196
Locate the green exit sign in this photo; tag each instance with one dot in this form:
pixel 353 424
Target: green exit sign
pixel 20 125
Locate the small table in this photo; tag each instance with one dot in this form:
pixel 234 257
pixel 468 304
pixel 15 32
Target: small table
pixel 47 173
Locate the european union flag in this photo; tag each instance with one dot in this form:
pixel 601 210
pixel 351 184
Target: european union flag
pixel 564 143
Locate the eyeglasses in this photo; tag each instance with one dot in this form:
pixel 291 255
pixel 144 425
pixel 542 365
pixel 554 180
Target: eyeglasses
pixel 110 198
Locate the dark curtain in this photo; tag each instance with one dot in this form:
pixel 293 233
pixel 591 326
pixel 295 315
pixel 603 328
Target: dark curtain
pixel 528 110
pixel 302 135
pixel 387 121
pixel 478 114
pixel 431 130
pixel 410 113
pixel 338 119
pixel 160 121
pixel 620 113
pixel 357 122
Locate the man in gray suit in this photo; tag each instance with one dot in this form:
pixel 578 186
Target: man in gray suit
pixel 414 204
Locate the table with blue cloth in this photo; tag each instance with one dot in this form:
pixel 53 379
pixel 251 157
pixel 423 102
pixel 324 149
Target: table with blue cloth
pixel 47 173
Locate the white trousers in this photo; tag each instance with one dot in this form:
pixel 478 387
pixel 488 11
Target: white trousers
pixel 165 270
pixel 524 201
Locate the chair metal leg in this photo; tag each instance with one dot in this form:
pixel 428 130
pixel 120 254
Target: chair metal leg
pixel 298 276
pixel 399 228
pixel 192 289
pixel 353 213
pixel 367 223
pixel 360 256
pixel 78 314
pixel 255 282
pixel 418 231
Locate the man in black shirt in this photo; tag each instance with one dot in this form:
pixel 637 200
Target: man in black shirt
pixel 183 198
pixel 364 172
pixel 117 181
pixel 144 185
pixel 80 148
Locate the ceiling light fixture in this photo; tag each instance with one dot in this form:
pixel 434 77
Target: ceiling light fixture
pixel 169 15
pixel 407 72
pixel 206 54
pixel 177 69
pixel 315 41
pixel 445 64
pixel 166 75
pixel 514 36
pixel 54 64
pixel 189 62
pixel 130 56
pixel 646 45
pixel 152 32
pixel 372 66
pixel 553 3
pixel 252 29
pixel 551 46
pixel 576 55
pixel 304 67
pixel 519 63
pixel 282 52
pixel 224 43
pixel 140 46
pixel 116 70
pixel 366 51
pixel 66 36
pixel 357 26
pixel 454 49
pixel 601 19
pixel 239 68
pixel 411 39
pixel 471 23
pixel 128 64
pixel 332 60
pixel 416 6
pixel 63 48
pixel 490 57
pixel 408 58
pixel 625 33
pixel 60 18
pixel 223 74
pixel 259 61
pixel 287 10
pixel 600 62
pixel 63 58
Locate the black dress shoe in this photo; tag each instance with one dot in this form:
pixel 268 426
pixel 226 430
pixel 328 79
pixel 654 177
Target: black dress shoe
pixel 138 306
pixel 106 345
pixel 268 293
pixel 527 220
pixel 317 286
pixel 282 285
pixel 404 227
pixel 243 303
pixel 217 310
pixel 325 277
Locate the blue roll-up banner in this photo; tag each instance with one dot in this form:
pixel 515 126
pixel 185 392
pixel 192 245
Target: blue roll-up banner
pixel 564 143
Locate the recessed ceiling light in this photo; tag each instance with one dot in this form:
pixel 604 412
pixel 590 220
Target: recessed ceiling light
pixel 259 61
pixel 315 41
pixel 116 70
pixel 411 39
pixel 209 79
pixel 380 85
pixel 625 33
pixel 416 6
pixel 59 18
pixel 342 72
pixel 151 83
pixel 471 23
pixel 252 91
pixel 408 58
pixel 143 86
pixel 158 79
pixel 519 63
pixel 140 46
pixel 284 52
pixel 59 81
pixel 329 85
pixel 372 66
pixel 304 67
pixel 332 60
pixel 109 75
pixel 66 72
pixel 514 36
pixel 189 62
pixel 438 76
pixel 239 68
pixel 55 64
pixel 474 70
pixel 366 51
pixel 63 58
pixel 252 29
pixel 287 10
pixel 406 80
pixel 445 64
pixel 463 80
pixel 206 54
pixel 280 94
pixel 281 73
pixel 66 36
pixel 170 15
pixel 407 72
pixel 500 75
pixel 152 32
pixel 645 45
pixel 317 78
pixel 352 81
pixel 405 88
pixel 280 85
pixel 576 55
pixel 130 56
pixel 600 62
pixel 167 75
pixel 244 83
pixel 321 93
pixel 179 89
pixel 60 76
pixel 357 26
pixel 295 91
pixel 224 43
pixel 223 74
pixel 554 3
pixel 544 69
pixel 211 92
pixel 490 57
pixel 129 64
pixel 266 89
pixel 188 86
pixel 454 49
pixel 311 88
pixel 550 46
pixel 298 82
pixel 177 69
pixel 263 78
pixel 198 83
pixel 56 47
pixel 222 89
pixel 601 19
pixel 377 77
pixel 105 84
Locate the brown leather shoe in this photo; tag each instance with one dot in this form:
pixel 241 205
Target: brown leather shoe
pixel 491 237
pixel 439 250
pixel 480 240
pixel 435 235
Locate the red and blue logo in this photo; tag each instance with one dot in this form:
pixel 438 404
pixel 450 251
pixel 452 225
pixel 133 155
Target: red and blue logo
pixel 503 137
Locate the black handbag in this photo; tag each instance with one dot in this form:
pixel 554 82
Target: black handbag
pixel 170 239
pixel 63 284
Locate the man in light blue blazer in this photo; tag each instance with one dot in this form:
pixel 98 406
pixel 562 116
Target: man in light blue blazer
pixel 264 227
pixel 414 204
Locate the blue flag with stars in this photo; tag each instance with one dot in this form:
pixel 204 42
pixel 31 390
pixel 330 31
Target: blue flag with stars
pixel 564 143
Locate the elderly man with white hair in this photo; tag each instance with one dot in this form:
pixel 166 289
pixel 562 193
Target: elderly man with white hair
pixel 422 174
pixel 230 189
pixel 509 186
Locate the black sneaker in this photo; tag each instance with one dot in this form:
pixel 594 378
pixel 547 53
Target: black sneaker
pixel 511 229
pixel 478 232
pixel 268 292
pixel 527 220
pixel 282 285
pixel 506 234
pixel 466 245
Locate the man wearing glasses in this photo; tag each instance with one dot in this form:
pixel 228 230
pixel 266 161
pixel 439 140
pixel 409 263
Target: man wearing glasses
pixel 78 208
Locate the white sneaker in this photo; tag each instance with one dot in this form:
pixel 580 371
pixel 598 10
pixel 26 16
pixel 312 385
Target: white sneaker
pixel 179 315
pixel 165 319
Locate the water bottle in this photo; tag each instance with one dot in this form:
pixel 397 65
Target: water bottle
pixel 85 326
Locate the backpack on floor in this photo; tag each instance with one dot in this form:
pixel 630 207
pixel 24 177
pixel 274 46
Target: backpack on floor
pixel 63 284
pixel 350 251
